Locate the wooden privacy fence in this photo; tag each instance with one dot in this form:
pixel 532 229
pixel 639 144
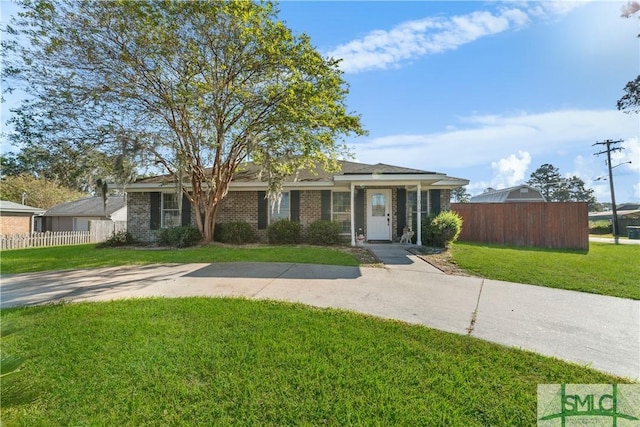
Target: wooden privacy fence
pixel 99 231
pixel 559 225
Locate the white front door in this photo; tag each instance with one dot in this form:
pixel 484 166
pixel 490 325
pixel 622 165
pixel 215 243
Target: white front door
pixel 379 214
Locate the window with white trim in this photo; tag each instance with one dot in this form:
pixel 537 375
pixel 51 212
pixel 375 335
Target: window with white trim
pixel 170 210
pixel 341 210
pixel 281 210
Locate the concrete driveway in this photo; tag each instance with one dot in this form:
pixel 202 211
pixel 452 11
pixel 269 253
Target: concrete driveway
pixel 599 331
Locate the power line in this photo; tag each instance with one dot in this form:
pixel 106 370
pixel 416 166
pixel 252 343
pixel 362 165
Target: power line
pixel 608 143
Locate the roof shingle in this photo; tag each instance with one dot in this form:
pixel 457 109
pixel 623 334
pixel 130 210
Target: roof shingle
pixel 89 206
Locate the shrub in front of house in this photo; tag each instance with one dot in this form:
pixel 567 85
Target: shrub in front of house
pixel 179 237
pixel 121 238
pixel 237 233
pixel 284 232
pixel 442 230
pixel 600 227
pixel 324 233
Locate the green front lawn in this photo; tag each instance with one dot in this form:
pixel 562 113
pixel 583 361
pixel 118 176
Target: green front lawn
pixel 605 269
pixel 203 361
pixel 87 256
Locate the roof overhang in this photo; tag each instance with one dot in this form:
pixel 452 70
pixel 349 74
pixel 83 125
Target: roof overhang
pixel 22 211
pixel 436 181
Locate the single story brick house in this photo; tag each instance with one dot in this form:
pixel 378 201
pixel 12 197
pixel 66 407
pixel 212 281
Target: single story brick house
pixel 377 201
pixel 16 218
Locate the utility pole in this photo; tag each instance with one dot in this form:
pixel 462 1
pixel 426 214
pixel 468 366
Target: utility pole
pixel 608 143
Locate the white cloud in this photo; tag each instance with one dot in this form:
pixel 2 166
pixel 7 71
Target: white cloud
pixel 510 171
pixel 383 49
pixel 507 172
pixel 630 153
pixel 480 139
pixel 547 9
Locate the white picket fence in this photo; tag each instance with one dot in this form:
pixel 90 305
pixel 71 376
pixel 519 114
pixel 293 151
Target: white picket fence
pixel 48 238
pixel 99 232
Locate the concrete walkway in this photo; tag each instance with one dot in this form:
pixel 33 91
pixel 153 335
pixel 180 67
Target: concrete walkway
pixel 599 331
pixel 612 240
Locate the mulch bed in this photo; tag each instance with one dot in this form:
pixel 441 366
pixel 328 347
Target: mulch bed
pixel 440 259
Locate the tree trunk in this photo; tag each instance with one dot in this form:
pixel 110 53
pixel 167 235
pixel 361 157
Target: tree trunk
pixel 209 222
pixel 206 208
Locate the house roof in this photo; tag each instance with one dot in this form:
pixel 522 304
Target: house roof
pixel 89 206
pixel 249 174
pixel 518 193
pixel 621 213
pixel 628 207
pixel 7 206
pixel 350 168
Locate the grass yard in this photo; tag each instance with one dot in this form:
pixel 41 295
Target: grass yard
pixel 201 361
pixel 606 269
pixel 87 256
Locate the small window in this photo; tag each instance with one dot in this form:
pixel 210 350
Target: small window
pixel 170 210
pixel 278 211
pixel 341 211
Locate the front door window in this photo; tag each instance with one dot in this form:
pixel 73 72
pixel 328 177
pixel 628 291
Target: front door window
pixel 378 204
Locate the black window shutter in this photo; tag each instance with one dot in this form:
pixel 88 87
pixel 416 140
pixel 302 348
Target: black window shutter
pixel 435 202
pixel 263 210
pixel 325 205
pixel 358 209
pixel 154 221
pixel 294 205
pixel 402 211
pixel 186 211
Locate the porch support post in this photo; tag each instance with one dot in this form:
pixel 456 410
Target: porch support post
pixel 419 209
pixel 353 216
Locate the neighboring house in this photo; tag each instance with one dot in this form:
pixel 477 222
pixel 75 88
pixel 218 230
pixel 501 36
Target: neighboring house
pixel 75 216
pixel 628 215
pixel 377 201
pixel 519 193
pixel 16 218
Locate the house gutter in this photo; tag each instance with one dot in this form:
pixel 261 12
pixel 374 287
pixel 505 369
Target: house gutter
pixel 436 181
pixel 245 186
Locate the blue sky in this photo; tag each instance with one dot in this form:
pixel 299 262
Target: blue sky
pixel 486 91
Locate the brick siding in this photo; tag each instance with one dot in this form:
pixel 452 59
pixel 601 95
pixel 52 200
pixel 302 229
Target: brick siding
pixel 310 207
pixel 239 206
pixel 139 217
pixel 11 224
pixel 445 200
pixel 243 206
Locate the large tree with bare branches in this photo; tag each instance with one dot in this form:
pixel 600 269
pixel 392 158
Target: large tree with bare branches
pixel 198 88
